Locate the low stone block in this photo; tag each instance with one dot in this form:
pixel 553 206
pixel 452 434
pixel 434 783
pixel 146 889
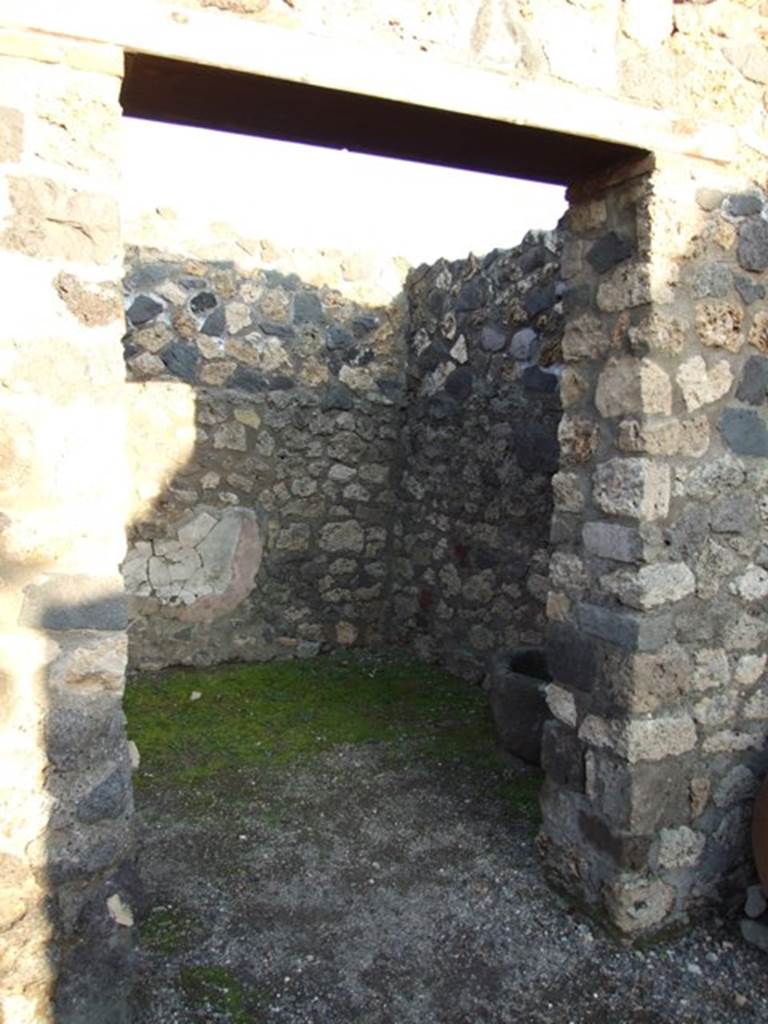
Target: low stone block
pixel 651 585
pixel 640 798
pixel 637 488
pixel 639 906
pixel 679 847
pixel 626 629
pixel 633 386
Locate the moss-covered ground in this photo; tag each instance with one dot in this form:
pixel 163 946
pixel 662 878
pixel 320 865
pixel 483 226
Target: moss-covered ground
pixel 219 749
pixel 196 728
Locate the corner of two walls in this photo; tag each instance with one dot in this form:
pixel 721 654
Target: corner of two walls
pixel 478 451
pixel 326 453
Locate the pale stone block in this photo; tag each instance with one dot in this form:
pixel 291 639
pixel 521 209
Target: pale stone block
pixel 641 739
pixel 716 710
pixel 711 670
pixel 633 487
pixel 752 585
pixel 573 386
pixel 756 708
pixel 651 438
pixel 637 906
pixel 700 384
pixel 749 668
pixel 230 436
pixel 628 286
pixel 718 325
pixel 578 439
pixel 568 493
pixel 658 333
pixel 652 585
pixel 728 741
pixel 238 317
pixel 680 847
pixel 249 417
pixel 630 386
pixel 558 607
pixel 344 536
pixel 567 572
pixel 562 704
pixel 585 338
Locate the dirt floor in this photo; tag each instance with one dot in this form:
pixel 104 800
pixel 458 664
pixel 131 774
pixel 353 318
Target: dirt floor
pixel 335 841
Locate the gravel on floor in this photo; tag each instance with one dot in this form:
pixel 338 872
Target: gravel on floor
pixel 379 884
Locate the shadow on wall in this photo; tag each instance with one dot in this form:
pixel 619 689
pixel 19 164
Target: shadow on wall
pixel 263 520
pixel 267 445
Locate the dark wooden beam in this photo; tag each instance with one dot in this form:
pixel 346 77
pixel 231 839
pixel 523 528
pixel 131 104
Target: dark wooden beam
pixel 160 89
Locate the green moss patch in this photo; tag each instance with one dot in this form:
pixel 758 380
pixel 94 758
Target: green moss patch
pixel 214 993
pixel 194 728
pixel 166 930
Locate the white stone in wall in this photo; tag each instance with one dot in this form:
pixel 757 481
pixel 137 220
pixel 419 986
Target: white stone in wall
pixel 752 585
pixel 633 487
pixel 701 384
pixel 749 668
pixel 562 704
pixel 756 708
pixel 648 739
pixel 680 847
pixel 652 585
pixel 711 669
pixel 728 741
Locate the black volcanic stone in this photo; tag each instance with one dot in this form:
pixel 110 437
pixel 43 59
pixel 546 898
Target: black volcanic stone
pixel 142 310
pixel 744 431
pixel 459 384
pixel 181 359
pixel 536 379
pixel 743 204
pixel 202 302
pixel 608 251
pixel 752 250
pixel 754 381
pixel 215 324
pixel 749 291
pixel 539 298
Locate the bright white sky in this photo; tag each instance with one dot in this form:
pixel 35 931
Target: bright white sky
pixel 309 197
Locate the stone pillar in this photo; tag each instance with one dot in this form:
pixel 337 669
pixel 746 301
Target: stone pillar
pixel 65 793
pixel 658 632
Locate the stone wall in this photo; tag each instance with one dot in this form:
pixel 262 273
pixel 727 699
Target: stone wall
pixel 659 577
pixel 66 889
pixel 479 448
pixel 262 525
